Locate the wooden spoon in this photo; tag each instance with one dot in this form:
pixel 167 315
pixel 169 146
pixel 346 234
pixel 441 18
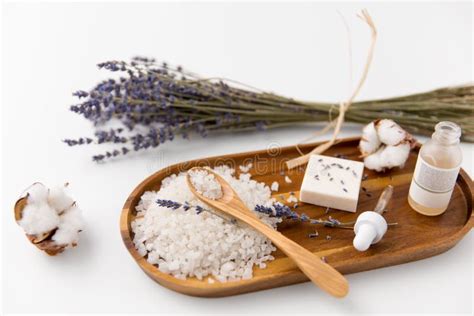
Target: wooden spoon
pixel 322 274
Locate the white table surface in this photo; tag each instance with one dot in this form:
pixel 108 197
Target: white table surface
pixel 300 50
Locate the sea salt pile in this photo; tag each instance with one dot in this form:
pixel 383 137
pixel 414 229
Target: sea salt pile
pixel 206 184
pixel 186 243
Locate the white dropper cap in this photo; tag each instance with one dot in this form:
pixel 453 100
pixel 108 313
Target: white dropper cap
pixel 369 229
pixel 371 226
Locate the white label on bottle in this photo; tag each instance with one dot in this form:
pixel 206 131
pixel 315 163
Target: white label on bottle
pixel 434 179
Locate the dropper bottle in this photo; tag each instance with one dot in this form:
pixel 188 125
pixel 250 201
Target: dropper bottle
pixel 437 168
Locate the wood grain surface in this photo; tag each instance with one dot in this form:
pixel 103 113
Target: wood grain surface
pixel 415 237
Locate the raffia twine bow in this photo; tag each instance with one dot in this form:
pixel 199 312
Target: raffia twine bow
pixel 343 106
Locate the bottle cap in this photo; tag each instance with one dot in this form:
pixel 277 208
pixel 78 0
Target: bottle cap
pixel 369 229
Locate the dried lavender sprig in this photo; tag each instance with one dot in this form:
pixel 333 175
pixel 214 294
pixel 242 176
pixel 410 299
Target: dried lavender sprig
pixel 153 97
pixel 276 210
pixel 169 204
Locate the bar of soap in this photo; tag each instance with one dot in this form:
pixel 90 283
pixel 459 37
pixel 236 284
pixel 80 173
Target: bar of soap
pixel 332 182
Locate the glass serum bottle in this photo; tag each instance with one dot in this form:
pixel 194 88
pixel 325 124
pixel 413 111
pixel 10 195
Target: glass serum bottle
pixel 436 171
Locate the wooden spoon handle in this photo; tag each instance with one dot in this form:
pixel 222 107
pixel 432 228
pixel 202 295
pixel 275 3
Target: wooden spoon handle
pixel 319 272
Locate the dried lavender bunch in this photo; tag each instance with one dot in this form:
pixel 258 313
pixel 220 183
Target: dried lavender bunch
pixel 151 103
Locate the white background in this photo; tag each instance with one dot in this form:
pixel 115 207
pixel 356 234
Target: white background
pixel 295 49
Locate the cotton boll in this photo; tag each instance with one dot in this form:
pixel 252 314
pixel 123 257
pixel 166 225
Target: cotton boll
pixel 59 200
pixel 37 193
pixel 385 145
pixel 38 218
pixel 370 141
pixel 70 224
pixel 389 132
pixel 45 213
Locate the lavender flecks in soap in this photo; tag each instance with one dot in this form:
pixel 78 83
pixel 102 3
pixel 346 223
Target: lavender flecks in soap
pixel 330 182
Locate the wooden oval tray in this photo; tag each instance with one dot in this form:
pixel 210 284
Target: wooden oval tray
pixel 415 237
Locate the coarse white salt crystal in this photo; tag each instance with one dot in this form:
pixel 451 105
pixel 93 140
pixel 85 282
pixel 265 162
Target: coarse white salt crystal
pixel 206 184
pixel 288 180
pixel 275 186
pixel 186 244
pixel 246 168
pixel 292 199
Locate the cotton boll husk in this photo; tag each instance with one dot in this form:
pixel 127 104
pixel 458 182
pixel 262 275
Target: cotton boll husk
pixel 370 141
pixel 59 200
pixel 37 193
pixel 38 218
pixel 389 132
pixel 70 224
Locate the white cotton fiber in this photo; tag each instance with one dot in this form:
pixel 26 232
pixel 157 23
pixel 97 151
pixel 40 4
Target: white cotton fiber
pixel 389 132
pixel 388 157
pixel 370 141
pixel 374 161
pixel 396 156
pixel 38 218
pixel 186 244
pixel 59 200
pixel 37 193
pixel 70 224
